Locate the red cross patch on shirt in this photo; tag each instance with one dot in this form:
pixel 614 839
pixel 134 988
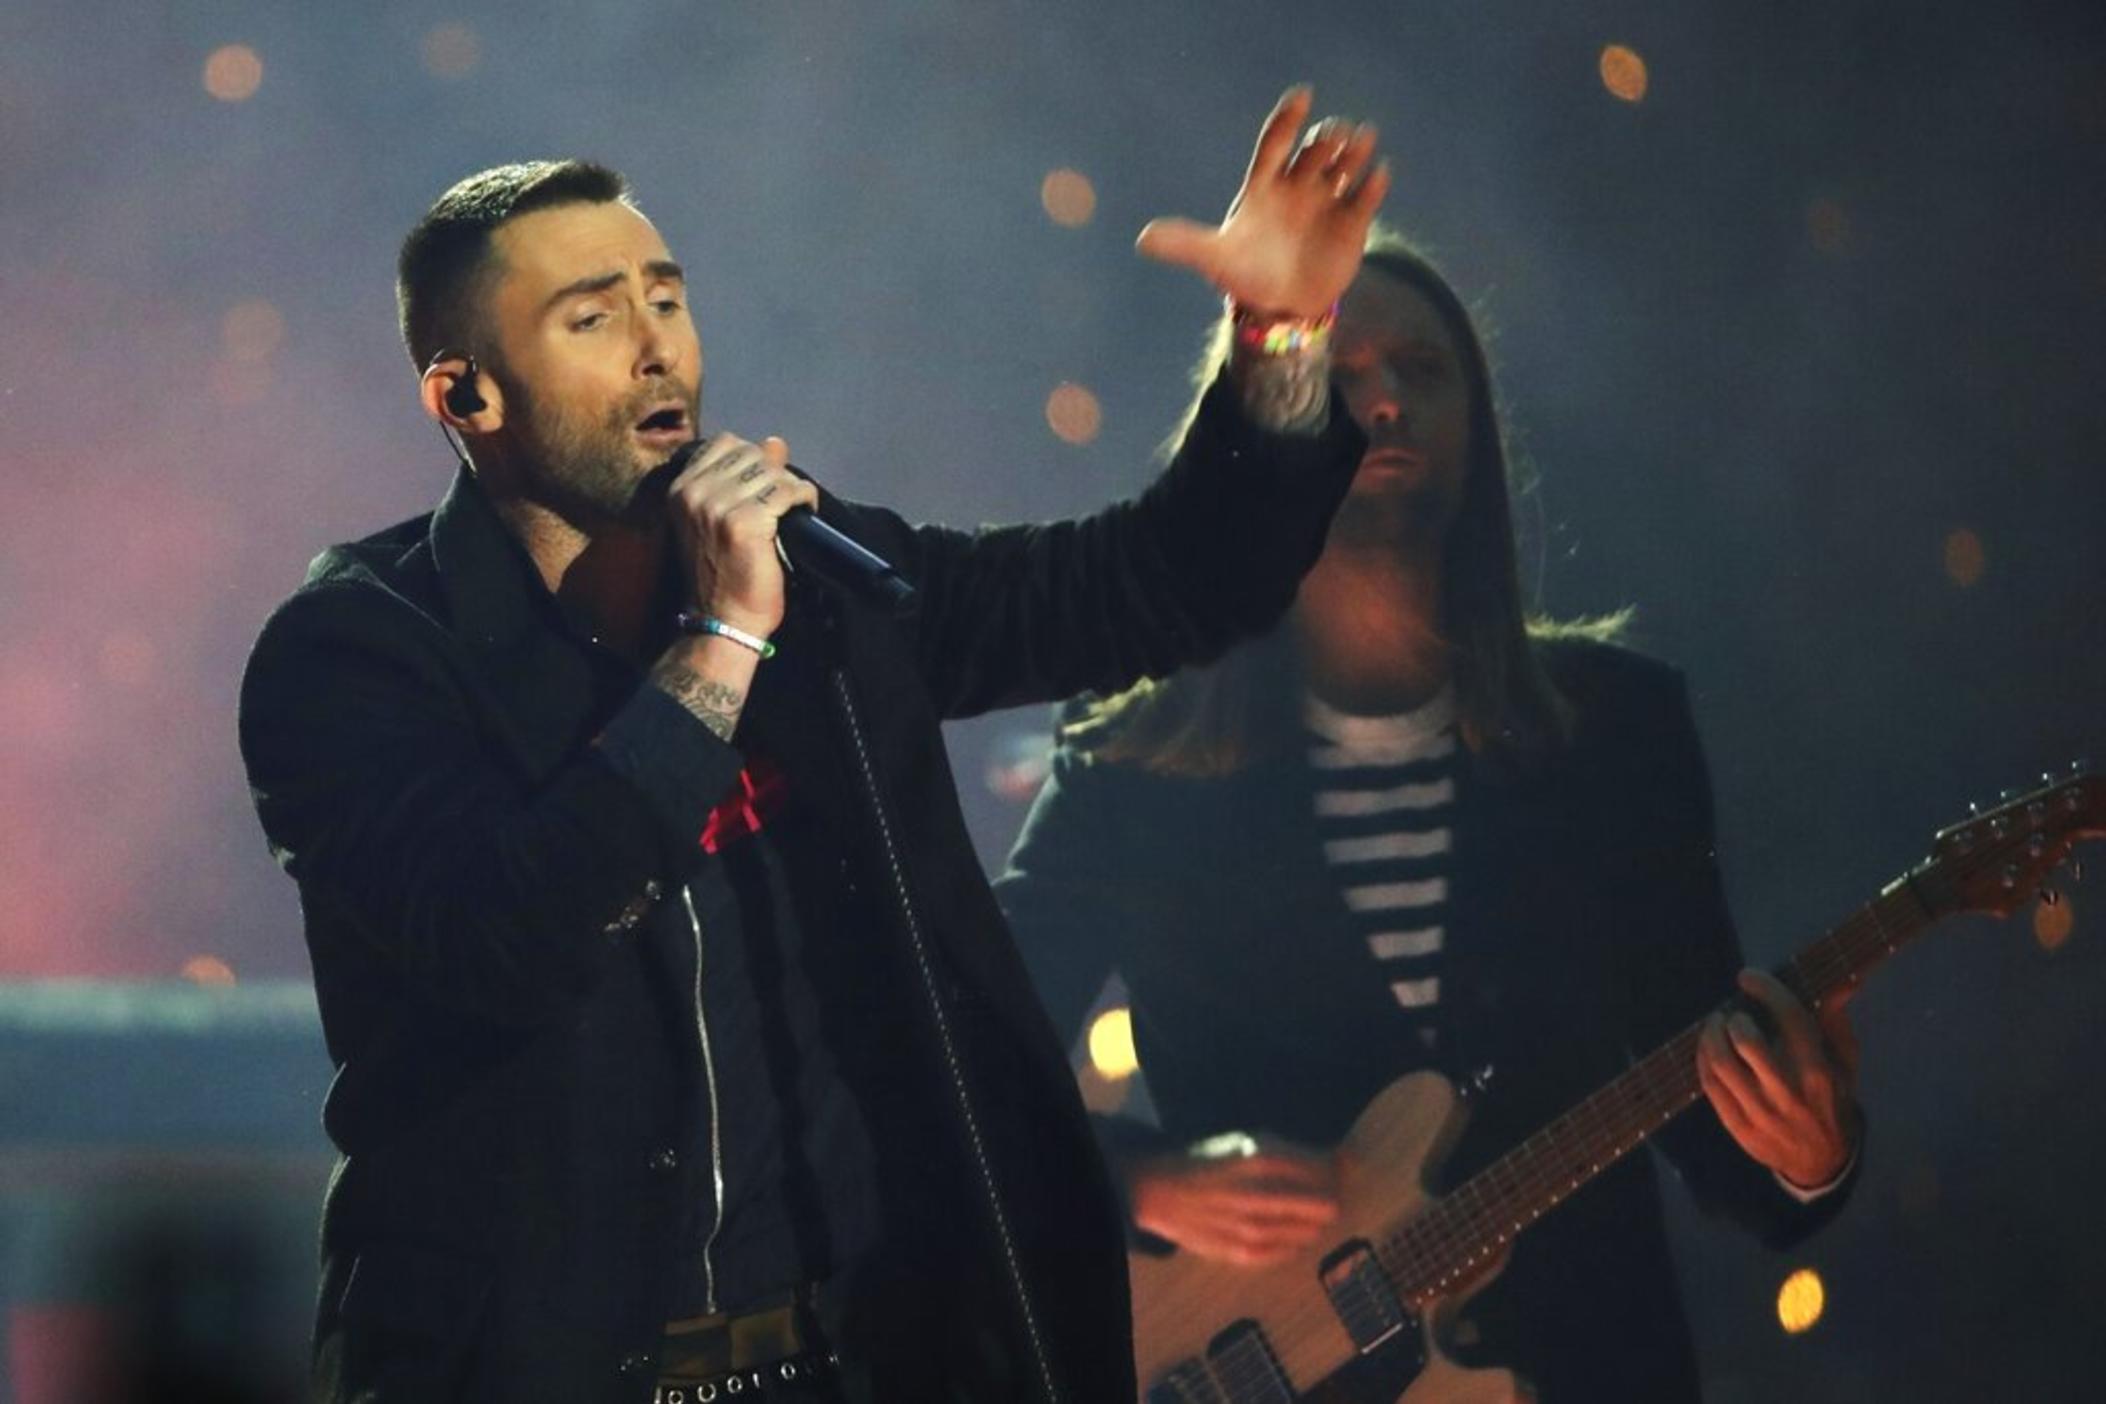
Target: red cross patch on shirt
pixel 759 796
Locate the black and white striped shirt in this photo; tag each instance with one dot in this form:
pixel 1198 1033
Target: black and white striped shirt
pixel 1385 793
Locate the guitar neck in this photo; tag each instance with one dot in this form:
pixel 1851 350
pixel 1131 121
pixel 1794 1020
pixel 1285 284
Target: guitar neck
pixel 1468 1226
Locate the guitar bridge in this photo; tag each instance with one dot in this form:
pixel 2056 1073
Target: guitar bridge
pixel 1361 1295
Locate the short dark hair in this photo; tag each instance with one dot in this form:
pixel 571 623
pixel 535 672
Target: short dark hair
pixel 440 273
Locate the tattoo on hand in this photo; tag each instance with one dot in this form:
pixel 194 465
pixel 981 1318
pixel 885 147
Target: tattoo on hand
pixel 714 705
pixel 1288 394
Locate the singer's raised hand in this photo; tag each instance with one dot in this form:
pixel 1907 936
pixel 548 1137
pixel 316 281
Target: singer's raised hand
pixel 1292 237
pixel 724 507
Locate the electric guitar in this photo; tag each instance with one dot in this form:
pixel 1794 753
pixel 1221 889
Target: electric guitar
pixel 1379 1300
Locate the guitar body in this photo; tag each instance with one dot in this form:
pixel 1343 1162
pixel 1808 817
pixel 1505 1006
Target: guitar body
pixel 1208 1333
pixel 1183 1303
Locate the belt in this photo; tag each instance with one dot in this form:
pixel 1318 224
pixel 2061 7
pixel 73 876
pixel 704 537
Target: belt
pixel 766 1349
pixel 759 1381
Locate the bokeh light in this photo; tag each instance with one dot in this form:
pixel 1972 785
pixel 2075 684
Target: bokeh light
pixel 1111 1044
pixel 1073 413
pixel 1964 558
pixel 208 970
pixel 1069 197
pixel 251 330
pixel 451 50
pixel 1828 227
pixel 2053 923
pixel 1623 73
pixel 1800 1301
pixel 233 73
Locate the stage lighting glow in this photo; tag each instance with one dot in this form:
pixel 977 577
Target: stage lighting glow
pixel 1111 1044
pixel 1069 197
pixel 251 330
pixel 208 970
pixel 1623 73
pixel 233 73
pixel 127 657
pixel 1964 558
pixel 1073 413
pixel 451 50
pixel 2053 924
pixel 1800 1301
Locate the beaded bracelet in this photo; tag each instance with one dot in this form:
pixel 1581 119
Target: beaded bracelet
pixel 710 624
pixel 1277 334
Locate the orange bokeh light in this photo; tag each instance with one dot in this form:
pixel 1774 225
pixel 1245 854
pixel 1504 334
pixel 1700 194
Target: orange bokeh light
pixel 1624 73
pixel 2052 924
pixel 1964 558
pixel 451 50
pixel 1800 1301
pixel 233 73
pixel 1073 413
pixel 251 330
pixel 208 970
pixel 1068 197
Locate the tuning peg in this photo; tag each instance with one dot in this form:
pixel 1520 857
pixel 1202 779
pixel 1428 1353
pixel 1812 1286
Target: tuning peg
pixel 1973 809
pixel 2049 897
pixel 2076 869
pixel 2006 796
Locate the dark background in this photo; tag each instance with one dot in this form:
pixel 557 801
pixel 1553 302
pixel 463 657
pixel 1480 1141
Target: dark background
pixel 1804 346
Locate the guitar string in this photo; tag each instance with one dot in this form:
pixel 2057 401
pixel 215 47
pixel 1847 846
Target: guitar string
pixel 1483 1214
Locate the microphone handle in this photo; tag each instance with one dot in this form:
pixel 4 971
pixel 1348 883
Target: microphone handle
pixel 841 561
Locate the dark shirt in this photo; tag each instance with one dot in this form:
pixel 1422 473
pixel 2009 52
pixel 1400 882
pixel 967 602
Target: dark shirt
pixel 798 1195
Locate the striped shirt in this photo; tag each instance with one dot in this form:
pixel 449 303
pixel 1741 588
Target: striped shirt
pixel 1385 794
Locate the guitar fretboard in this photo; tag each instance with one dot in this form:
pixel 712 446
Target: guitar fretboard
pixel 1463 1231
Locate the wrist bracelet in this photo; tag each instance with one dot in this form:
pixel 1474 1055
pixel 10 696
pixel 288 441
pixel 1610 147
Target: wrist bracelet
pixel 1279 334
pixel 710 624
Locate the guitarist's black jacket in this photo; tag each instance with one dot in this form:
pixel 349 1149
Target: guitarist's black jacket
pixel 495 859
pixel 1586 925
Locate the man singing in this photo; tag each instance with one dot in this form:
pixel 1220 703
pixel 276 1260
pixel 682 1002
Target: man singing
pixel 679 1042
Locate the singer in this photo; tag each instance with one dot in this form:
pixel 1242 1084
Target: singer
pixel 682 1052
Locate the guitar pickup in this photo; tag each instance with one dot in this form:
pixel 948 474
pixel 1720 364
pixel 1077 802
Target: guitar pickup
pixel 1361 1295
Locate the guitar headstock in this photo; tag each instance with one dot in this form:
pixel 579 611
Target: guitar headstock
pixel 1996 861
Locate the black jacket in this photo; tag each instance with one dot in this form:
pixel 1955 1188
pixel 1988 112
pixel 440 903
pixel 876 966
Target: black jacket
pixel 1586 924
pixel 491 878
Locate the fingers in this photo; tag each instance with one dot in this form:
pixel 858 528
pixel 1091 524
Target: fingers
pixel 1324 150
pixel 1268 160
pixel 1822 1050
pixel 1180 241
pixel 732 484
pixel 1352 160
pixel 1368 198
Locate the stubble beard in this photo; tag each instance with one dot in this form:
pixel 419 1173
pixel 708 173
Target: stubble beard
pixel 589 471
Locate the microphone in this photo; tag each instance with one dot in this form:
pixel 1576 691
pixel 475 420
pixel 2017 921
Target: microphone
pixel 833 556
pixel 825 552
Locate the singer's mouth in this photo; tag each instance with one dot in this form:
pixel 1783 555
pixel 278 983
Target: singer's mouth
pixel 670 422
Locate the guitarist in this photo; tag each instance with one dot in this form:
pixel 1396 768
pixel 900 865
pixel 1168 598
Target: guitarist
pixel 1414 829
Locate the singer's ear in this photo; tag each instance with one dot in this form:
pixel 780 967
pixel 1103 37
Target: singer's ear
pixel 457 392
